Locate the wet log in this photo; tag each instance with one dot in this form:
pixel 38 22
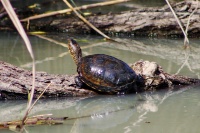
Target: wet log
pixel 15 82
pixel 137 22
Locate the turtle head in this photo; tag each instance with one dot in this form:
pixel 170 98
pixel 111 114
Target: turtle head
pixel 75 50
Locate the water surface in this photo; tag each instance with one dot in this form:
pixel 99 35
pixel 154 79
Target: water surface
pixel 52 55
pixel 162 111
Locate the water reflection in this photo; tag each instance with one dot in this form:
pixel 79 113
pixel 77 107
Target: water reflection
pixel 53 56
pixel 163 111
pixel 106 112
pixel 150 111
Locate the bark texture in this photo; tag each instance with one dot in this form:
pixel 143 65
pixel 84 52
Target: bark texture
pixel 15 82
pixel 137 22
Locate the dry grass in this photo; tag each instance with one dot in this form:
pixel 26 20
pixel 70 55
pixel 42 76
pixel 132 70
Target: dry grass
pixel 76 8
pixel 185 32
pixel 85 21
pixel 9 9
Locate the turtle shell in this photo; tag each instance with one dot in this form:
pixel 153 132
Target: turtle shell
pixel 106 74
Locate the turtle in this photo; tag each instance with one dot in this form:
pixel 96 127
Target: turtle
pixel 103 73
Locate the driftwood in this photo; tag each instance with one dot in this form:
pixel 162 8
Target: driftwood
pixel 35 120
pixel 137 22
pixel 15 82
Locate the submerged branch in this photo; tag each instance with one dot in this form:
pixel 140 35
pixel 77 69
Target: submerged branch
pixel 33 121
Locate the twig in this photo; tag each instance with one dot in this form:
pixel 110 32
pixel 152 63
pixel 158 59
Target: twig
pixel 84 20
pixel 188 22
pixel 178 21
pixel 51 40
pixel 28 65
pixel 76 8
pixel 29 109
pixel 64 44
pixel 39 97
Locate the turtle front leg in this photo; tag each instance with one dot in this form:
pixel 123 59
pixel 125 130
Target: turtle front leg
pixel 78 81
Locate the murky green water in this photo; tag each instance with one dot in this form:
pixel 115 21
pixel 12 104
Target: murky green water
pixel 52 56
pixel 159 112
pixel 164 111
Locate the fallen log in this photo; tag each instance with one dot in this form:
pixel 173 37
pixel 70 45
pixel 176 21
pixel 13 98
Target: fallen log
pixel 137 22
pixel 15 82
